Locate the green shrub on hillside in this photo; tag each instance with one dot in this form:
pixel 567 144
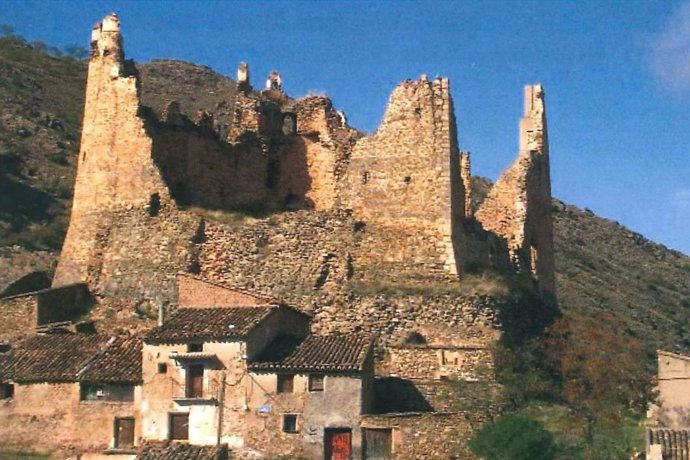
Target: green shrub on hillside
pixel 514 437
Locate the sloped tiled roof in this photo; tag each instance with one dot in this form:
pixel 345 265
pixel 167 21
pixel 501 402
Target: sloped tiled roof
pixel 119 362
pixel 327 353
pixel 181 451
pixel 675 444
pixel 63 357
pixel 209 323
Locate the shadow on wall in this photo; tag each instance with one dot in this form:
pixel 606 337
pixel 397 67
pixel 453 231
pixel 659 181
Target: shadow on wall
pixel 397 395
pixel 255 175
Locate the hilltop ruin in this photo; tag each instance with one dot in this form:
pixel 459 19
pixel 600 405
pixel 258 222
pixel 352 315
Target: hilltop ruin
pixel 278 200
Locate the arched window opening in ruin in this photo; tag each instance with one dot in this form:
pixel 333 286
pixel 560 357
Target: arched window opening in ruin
pixel 289 124
pixel 407 179
pixel 154 205
pixel 415 338
pixel 365 177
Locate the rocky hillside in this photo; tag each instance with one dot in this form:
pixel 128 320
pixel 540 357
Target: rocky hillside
pixel 601 265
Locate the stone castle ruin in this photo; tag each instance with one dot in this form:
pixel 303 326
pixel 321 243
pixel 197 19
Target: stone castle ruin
pixel 272 202
pixel 406 188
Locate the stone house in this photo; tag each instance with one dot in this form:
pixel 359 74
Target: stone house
pixel 668 435
pixel 55 385
pixel 253 378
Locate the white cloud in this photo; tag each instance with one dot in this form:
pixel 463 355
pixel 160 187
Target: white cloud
pixel 670 50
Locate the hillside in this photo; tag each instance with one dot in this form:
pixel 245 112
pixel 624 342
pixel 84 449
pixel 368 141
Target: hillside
pixel 601 265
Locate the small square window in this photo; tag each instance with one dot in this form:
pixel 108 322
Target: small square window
pixel 6 390
pixel 162 368
pixel 290 423
pixel 316 382
pixel 195 347
pixel 286 383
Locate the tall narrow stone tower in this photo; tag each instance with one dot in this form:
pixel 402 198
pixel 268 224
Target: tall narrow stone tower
pixel 518 207
pixel 115 169
pixel 405 183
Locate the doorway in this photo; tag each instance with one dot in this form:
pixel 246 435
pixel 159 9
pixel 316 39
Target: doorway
pixel 338 444
pixel 124 432
pixel 195 381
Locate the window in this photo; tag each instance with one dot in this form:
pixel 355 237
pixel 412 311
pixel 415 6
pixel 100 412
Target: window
pixel 162 368
pixel 178 426
pixel 290 423
pixel 195 347
pixel 316 382
pixel 106 392
pixel 286 383
pixel 6 390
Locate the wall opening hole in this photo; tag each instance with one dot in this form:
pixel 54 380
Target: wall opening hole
pixel 154 205
pixel 415 338
pixel 407 179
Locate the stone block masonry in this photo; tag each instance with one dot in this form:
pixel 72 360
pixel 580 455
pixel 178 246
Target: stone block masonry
pixel 518 207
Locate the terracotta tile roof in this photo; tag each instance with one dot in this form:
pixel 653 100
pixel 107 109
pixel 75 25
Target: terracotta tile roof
pixel 118 362
pixel 325 353
pixel 209 324
pixel 181 451
pixel 64 357
pixel 675 444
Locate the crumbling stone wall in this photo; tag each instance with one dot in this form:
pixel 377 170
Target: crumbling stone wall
pixel 435 362
pixel 404 181
pixel 312 260
pixel 518 207
pixel 21 314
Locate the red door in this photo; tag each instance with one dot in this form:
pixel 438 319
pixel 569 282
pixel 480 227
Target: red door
pixel 338 444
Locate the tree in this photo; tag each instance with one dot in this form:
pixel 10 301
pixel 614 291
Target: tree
pixel 514 437
pixel 603 369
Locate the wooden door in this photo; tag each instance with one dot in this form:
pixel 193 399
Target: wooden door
pixel 124 432
pixel 377 444
pixel 338 444
pixel 179 426
pixel 195 381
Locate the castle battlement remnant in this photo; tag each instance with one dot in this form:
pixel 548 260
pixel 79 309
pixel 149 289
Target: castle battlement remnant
pixel 406 187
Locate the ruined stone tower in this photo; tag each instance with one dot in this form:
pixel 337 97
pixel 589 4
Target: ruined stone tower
pixel 518 207
pixel 405 183
pixel 115 169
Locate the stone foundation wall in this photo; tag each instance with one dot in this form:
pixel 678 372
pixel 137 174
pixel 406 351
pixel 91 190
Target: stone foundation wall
pixel 427 436
pixel 423 362
pixel 313 260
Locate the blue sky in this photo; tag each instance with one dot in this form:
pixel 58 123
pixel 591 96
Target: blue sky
pixel 616 74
